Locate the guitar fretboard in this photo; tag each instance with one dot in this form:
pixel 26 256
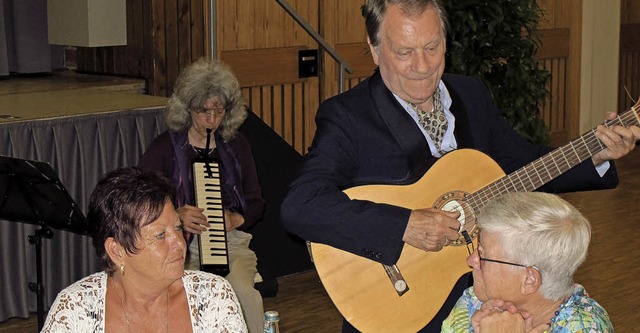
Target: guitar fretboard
pixel 551 165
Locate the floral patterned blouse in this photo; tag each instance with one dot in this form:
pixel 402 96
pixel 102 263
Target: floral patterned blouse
pixel 579 314
pixel 213 305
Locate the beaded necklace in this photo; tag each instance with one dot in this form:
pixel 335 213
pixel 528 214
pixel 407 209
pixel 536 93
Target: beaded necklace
pixel 556 313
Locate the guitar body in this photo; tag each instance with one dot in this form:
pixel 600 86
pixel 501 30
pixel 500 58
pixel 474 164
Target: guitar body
pixel 360 288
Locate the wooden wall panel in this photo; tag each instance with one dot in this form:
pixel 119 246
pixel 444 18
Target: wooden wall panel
pixel 351 21
pixel 171 46
pixel 561 42
pixel 554 57
pixel 130 60
pixel 358 55
pixel 556 14
pixel 560 55
pixel 554 109
pixel 198 18
pixel 359 58
pixel 629 11
pixel 259 24
pixel 285 108
pixel 179 39
pixel 262 67
pixel 246 26
pixel 163 36
pixel 343 27
pixel 629 72
pixel 260 42
pixel 159 86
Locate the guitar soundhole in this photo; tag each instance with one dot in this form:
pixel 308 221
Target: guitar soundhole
pixel 455 201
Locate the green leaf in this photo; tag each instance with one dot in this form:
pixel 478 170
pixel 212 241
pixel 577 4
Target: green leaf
pixel 496 41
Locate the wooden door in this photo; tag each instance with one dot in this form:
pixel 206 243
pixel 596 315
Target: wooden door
pixel 561 35
pixel 629 75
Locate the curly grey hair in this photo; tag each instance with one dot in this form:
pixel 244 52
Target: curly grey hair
pixel 196 84
pixel 542 230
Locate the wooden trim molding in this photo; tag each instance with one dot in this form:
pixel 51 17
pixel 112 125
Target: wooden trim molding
pixel 261 67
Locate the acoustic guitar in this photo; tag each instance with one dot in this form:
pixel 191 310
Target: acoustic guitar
pixel 406 296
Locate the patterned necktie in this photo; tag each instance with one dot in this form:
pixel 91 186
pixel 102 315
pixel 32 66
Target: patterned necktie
pixel 435 122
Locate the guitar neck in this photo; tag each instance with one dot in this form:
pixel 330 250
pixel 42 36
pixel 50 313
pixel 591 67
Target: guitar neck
pixel 550 166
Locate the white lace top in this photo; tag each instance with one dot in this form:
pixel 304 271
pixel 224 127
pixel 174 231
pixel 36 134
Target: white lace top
pixel 213 305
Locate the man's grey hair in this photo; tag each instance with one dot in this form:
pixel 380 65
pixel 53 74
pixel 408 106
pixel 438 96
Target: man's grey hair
pixel 196 84
pixel 377 8
pixel 542 230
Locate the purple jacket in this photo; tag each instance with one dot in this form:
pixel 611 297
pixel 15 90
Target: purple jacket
pixel 241 187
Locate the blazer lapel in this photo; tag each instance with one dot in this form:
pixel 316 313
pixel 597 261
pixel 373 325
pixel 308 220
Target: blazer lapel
pixel 402 127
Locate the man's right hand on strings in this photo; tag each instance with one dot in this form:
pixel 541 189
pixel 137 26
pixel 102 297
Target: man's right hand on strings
pixel 431 229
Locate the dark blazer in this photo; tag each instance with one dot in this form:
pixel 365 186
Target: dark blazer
pixel 364 136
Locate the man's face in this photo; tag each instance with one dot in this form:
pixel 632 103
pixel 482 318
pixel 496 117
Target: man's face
pixel 410 53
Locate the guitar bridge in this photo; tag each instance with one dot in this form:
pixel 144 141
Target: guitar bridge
pixel 399 283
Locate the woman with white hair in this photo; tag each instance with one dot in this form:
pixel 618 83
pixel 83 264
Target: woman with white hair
pixel 529 247
pixel 207 97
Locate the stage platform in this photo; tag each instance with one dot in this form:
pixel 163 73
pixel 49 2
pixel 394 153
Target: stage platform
pixel 65 93
pixel 68 79
pixel 73 102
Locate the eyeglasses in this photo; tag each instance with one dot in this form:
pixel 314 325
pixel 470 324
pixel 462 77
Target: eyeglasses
pixel 501 262
pixel 507 263
pixel 211 112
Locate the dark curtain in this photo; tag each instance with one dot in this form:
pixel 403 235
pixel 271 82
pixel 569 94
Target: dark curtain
pixel 81 149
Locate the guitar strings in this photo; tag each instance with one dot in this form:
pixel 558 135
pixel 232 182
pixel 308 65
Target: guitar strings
pixel 582 151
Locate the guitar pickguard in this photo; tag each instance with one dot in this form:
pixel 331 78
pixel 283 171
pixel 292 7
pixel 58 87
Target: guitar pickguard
pixel 454 201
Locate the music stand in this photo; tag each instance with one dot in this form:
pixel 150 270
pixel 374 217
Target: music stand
pixel 30 192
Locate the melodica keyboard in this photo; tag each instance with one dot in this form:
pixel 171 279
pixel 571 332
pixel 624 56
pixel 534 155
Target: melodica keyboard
pixel 208 194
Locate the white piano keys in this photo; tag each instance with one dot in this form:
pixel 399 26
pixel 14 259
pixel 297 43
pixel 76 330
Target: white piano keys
pixel 208 195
